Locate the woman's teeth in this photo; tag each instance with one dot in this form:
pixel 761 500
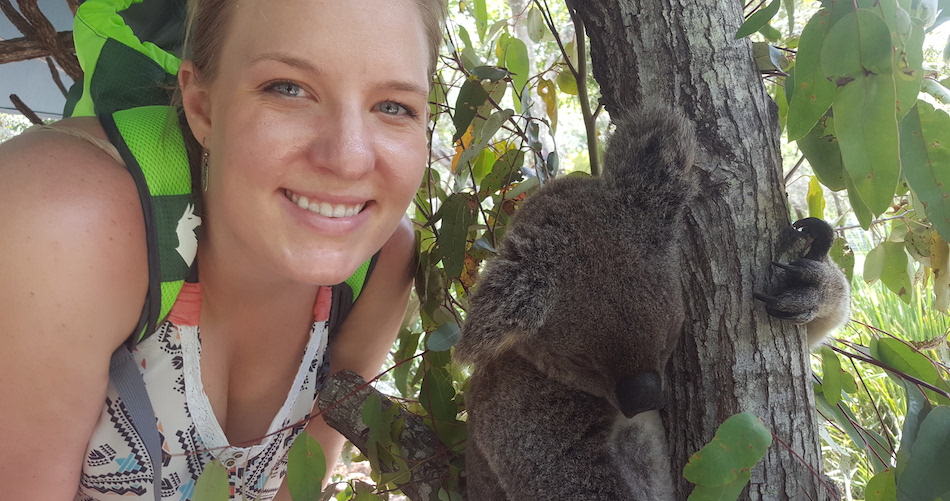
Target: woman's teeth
pixel 324 209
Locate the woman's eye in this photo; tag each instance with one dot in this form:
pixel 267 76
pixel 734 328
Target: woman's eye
pixel 288 89
pixel 394 108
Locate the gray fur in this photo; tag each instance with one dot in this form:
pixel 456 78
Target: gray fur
pixel 817 291
pixel 572 324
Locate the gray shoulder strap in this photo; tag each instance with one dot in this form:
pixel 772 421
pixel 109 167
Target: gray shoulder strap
pixel 127 380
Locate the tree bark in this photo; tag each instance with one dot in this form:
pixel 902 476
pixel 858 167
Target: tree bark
pixel 732 357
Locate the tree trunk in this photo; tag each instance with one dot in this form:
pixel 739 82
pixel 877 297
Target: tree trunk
pixel 732 357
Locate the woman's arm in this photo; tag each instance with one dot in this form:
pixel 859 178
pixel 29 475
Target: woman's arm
pixel 73 277
pixel 366 336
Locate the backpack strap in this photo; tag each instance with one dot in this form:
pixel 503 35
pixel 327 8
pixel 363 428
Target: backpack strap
pixel 128 383
pixel 150 141
pixel 119 70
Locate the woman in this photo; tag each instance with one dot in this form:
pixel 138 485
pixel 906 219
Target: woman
pixel 311 116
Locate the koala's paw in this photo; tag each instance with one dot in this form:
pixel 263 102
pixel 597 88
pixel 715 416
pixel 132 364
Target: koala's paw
pixel 816 291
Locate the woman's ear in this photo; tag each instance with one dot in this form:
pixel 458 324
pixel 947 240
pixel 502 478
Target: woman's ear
pixel 195 100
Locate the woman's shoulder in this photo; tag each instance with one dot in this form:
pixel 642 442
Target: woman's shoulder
pixel 72 220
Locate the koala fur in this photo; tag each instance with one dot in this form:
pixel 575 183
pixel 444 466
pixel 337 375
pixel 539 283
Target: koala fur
pixel 571 327
pixel 818 293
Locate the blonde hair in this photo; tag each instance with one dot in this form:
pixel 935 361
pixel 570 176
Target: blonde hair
pixel 209 20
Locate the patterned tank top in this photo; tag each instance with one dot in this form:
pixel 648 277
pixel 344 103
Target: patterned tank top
pixel 117 465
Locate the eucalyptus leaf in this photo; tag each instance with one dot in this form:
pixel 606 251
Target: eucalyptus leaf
pixel 816 199
pixel 306 468
pixel 444 337
pixel 858 44
pixel 437 393
pixel 470 97
pixel 823 153
pixel 458 214
pixel 831 375
pixel 813 92
pixel 212 483
pixel 881 487
pixel 925 476
pixel 758 19
pixel 925 157
pixel 724 492
pixel 740 442
pixel 867 132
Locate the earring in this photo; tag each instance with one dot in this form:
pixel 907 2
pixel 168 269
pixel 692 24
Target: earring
pixel 204 170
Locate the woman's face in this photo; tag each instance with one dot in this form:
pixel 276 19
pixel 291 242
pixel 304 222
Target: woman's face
pixel 316 129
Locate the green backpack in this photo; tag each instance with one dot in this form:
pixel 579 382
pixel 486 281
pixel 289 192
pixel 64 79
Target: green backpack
pixel 127 83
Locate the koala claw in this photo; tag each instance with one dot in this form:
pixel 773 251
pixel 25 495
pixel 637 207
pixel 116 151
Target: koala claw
pixel 816 291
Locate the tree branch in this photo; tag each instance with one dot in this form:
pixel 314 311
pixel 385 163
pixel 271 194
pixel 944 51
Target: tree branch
pixel 22 49
pixel 25 110
pixel 341 402
pixel 45 31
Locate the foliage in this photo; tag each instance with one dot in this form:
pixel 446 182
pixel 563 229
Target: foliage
pixel 723 467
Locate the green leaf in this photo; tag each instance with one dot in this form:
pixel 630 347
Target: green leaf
pixel 925 157
pixel 507 170
pixel 831 375
pixel 491 125
pixel 740 442
pixel 843 256
pixel 758 19
pixel 408 344
pixel 212 484
pixel 471 96
pixel 866 127
pixel 437 393
pixel 306 468
pixel 821 149
pixel 925 476
pixel 771 34
pixel 871 442
pixel 517 62
pixel 372 416
pixel 918 406
pixel 816 199
pixel 858 44
pixel 566 82
pixel 903 358
pixel 491 73
pixel 548 93
pixel 724 492
pixel 444 337
pixel 813 93
pixel 458 214
pixel 481 17
pixel 881 487
pixel 536 26
pixel 891 264
pixel 935 89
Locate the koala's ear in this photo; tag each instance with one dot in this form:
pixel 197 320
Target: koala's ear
pixel 510 305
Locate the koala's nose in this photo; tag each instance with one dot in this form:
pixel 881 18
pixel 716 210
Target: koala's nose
pixel 639 393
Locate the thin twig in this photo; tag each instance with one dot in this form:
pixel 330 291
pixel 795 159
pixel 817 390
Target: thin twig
pixel 54 71
pixel 25 110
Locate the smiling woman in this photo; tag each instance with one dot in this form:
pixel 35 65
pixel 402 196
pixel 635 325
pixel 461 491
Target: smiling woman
pixel 307 124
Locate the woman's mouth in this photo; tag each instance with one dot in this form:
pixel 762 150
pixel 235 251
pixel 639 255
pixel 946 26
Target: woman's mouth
pixel 323 208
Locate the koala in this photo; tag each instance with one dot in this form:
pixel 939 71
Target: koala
pixel 818 293
pixel 572 324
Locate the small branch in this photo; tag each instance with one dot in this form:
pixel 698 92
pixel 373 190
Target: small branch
pixel 16 18
pixel 795 168
pixel 341 403
pixel 580 38
pixel 47 33
pixel 25 110
pixel 23 49
pixel 54 72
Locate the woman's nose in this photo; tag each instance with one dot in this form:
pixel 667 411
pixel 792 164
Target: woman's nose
pixel 344 146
